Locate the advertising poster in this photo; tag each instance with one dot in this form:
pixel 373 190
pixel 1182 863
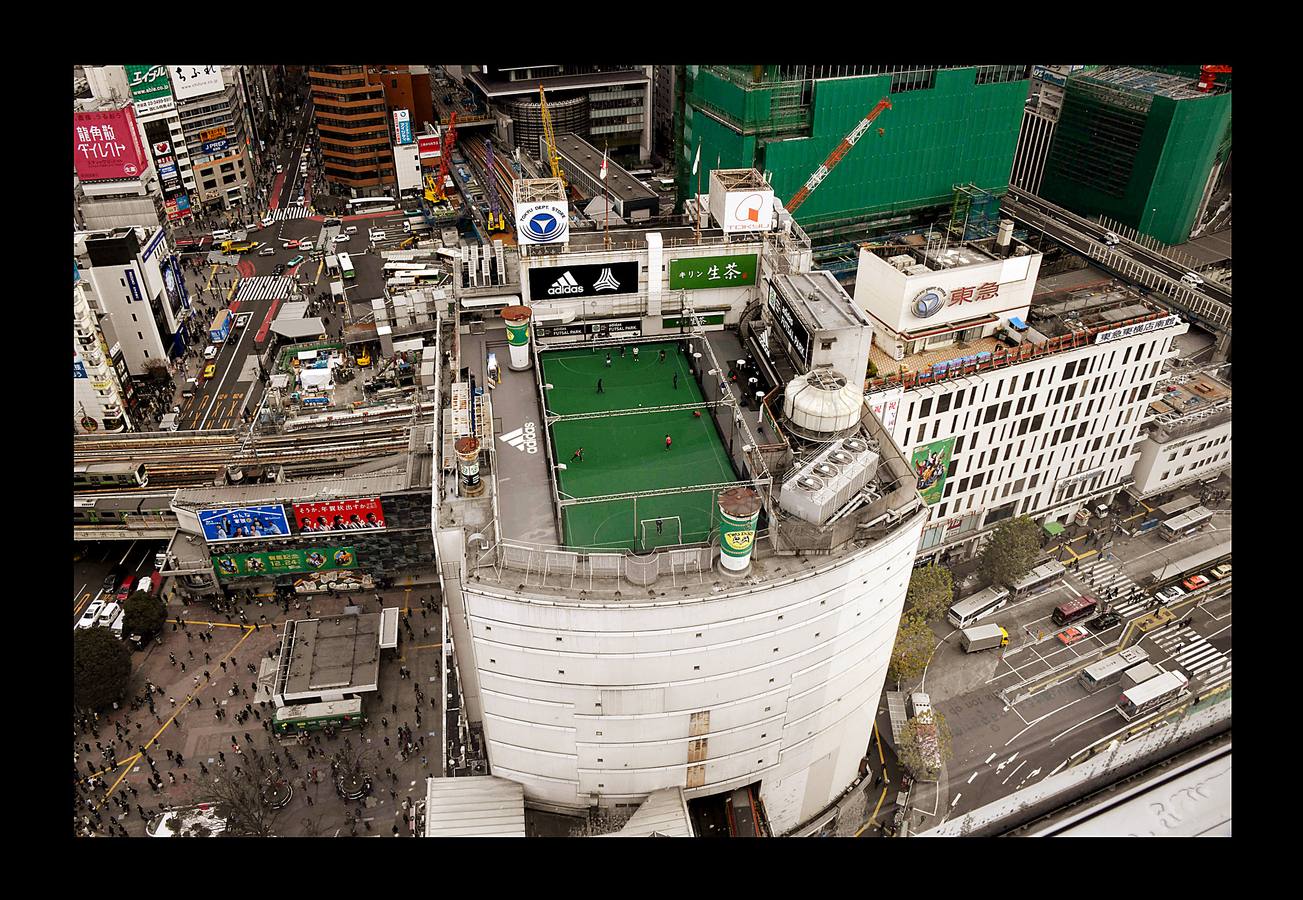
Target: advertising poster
pixel 339 515
pixel 105 145
pixel 238 522
pixel 402 127
pixel 427 146
pixel 790 325
pixel 195 81
pixel 284 562
pixel 565 282
pixel 712 272
pixel 929 463
pixel 149 88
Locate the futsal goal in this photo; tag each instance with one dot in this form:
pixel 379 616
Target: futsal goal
pixel 662 531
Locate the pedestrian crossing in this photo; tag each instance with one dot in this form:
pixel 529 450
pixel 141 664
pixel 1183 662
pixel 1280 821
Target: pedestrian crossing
pixel 1103 575
pixel 262 287
pixel 1196 657
pixel 290 212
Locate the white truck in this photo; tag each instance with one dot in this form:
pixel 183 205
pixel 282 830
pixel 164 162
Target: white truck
pixel 983 637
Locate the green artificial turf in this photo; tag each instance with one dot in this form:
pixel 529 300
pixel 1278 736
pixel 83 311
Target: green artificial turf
pixel 627 453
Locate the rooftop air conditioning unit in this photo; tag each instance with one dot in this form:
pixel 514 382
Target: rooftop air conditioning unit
pixel 802 497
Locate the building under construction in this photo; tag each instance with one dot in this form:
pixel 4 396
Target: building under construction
pixel 946 126
pixel 1140 146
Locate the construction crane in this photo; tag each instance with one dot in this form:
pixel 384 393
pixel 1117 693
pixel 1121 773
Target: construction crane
pixel 497 223
pixel 434 191
pixel 1208 76
pixel 836 156
pixel 552 158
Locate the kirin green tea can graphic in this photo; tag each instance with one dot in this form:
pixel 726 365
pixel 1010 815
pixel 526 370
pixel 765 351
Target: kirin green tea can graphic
pixel 517 322
pixel 739 509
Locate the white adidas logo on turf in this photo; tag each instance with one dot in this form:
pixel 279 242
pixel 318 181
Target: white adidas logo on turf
pixel 524 438
pixel 566 284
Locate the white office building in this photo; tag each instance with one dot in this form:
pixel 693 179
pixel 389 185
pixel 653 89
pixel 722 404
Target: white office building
pixel 98 401
pixel 1188 439
pixel 1007 402
pixel 133 283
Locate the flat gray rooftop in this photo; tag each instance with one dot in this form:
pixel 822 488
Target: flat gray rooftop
pixel 330 489
pixel 819 300
pixel 585 156
pixel 339 654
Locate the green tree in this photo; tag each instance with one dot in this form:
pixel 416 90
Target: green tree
pixel 925 744
pixel 143 614
pixel 1010 551
pixel 101 667
pixel 915 643
pixel 931 591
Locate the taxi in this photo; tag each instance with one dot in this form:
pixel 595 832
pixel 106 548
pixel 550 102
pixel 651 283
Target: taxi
pixel 209 371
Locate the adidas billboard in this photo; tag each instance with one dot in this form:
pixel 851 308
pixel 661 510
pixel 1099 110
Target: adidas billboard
pixel 563 282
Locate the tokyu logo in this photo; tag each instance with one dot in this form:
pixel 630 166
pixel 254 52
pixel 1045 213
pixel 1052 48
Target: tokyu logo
pixel 566 284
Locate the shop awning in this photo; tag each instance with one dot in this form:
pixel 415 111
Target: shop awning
pixel 1053 529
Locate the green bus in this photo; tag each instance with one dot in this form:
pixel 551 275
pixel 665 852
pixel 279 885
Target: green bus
pixel 316 716
pixel 346 265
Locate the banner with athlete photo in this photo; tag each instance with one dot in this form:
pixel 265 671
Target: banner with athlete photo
pixel 339 515
pixel 237 523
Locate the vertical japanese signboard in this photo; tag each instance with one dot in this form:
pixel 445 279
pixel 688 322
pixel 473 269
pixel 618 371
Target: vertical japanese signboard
pixel 150 89
pixel 106 145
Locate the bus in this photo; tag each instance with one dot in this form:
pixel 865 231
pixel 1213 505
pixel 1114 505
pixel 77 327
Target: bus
pixel 111 474
pixel 372 205
pixel 346 266
pixel 977 606
pixel 316 716
pixel 1186 524
pixel 1109 670
pixel 221 328
pixel 1181 504
pixel 1038 577
pixel 1073 610
pixel 1156 693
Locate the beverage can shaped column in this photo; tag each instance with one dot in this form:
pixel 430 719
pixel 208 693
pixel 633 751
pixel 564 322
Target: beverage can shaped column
pixel 739 509
pixel 468 463
pixel 517 319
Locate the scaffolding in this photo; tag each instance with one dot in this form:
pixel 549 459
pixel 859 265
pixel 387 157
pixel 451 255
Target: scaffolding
pixel 974 213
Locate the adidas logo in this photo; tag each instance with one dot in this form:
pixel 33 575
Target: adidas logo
pixel 524 438
pixel 606 281
pixel 566 284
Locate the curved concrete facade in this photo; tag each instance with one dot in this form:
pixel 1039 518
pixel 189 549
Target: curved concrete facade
pixel 593 702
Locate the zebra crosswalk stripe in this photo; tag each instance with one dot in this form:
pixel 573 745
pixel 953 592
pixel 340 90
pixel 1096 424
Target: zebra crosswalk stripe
pixel 264 288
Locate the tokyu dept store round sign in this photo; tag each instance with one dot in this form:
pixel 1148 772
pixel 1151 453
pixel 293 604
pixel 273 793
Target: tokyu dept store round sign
pixel 543 223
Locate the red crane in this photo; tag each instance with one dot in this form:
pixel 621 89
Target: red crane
pixel 448 141
pixel 1208 76
pixel 835 157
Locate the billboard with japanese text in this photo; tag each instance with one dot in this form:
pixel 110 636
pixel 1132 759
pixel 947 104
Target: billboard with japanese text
pixel 235 523
pixel 106 145
pixel 427 146
pixel 284 562
pixel 339 515
pixel 402 126
pixel 150 90
pixel 705 272
pixel 195 81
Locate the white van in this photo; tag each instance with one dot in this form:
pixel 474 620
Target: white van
pixel 376 234
pixel 110 612
pixel 116 627
pixel 305 245
pixel 221 234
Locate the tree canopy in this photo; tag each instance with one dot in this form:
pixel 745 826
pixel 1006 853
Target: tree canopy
pixel 931 591
pixel 1010 551
pixel 914 645
pixel 143 614
pixel 101 667
pixel 925 744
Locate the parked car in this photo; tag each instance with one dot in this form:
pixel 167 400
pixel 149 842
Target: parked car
pixel 341 239
pixel 125 589
pixel 1194 582
pixel 305 245
pixel 1072 635
pixel 111 580
pixel 91 615
pixel 1168 594
pixel 1192 279
pixel 291 245
pixel 210 352
pixel 331 220
pixel 1222 571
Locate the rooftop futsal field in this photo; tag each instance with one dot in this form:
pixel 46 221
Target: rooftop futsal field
pixel 624 449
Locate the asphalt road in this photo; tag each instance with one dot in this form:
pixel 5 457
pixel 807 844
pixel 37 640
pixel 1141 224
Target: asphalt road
pixel 124 557
pixel 1001 747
